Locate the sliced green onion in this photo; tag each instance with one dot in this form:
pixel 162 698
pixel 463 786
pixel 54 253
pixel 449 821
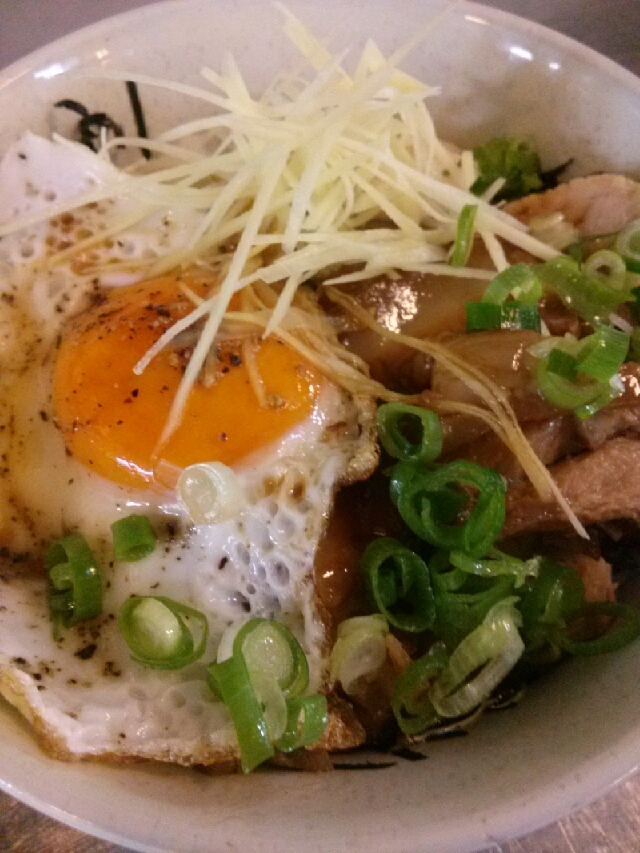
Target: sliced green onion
pixel 628 245
pixel 514 161
pixel 133 538
pixel 582 375
pixel 75 585
pixel 261 682
pixel 516 316
pixel 511 317
pixel 479 663
pixel 397 582
pixel 553 608
pixel 306 721
pixel 581 249
pixel 518 281
pixel 482 316
pixel 272 701
pixel 549 601
pixel 410 702
pixel 591 298
pixel 269 646
pixel 445 576
pixel 464 236
pixel 563 364
pixel 162 633
pixel 615 637
pixel 609 392
pixel 603 352
pixel 463 599
pixel 210 492
pixel 230 680
pixel 417 499
pixel 359 652
pixel 567 394
pixel 225 646
pixel 608 267
pixel 395 420
pixel 496 564
pixel 375 623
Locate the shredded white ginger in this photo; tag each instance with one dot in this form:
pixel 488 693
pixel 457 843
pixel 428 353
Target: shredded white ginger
pixel 326 171
pixel 300 179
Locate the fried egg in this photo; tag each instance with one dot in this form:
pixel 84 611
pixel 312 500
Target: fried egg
pixel 80 443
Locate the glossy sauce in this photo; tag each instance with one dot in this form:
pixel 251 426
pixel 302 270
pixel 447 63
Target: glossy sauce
pixel 361 512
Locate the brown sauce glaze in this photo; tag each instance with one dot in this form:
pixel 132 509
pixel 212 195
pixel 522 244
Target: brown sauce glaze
pixel 361 512
pixel 424 306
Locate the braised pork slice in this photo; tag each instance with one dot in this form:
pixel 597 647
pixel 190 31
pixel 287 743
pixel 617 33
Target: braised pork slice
pixel 621 416
pixel 597 204
pixel 551 440
pixel 560 435
pixel 600 485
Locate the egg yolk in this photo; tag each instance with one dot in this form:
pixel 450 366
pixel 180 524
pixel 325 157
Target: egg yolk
pixel 112 419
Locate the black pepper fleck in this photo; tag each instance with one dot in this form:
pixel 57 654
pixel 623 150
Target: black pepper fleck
pixel 87 652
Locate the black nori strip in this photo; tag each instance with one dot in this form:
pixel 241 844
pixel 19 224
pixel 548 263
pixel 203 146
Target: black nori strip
pixel 90 124
pixel 409 754
pixel 138 115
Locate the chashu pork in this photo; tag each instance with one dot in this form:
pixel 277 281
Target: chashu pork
pixel 601 482
pixel 601 485
pixel 596 462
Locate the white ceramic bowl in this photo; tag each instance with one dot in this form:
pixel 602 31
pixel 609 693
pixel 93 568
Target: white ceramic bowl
pixel 578 731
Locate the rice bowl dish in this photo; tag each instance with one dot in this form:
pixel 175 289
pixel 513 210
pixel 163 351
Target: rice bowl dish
pixel 486 752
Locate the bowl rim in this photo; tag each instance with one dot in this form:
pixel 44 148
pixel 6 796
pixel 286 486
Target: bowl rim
pixel 548 804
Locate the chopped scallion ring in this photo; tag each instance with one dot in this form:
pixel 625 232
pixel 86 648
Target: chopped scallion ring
pixel 417 496
pixel 607 266
pixel 590 297
pixel 359 652
pixel 410 702
pixel 563 364
pixel 549 601
pixel 511 317
pixel 307 719
pixel 269 646
pixel 582 375
pixel 395 420
pixel 482 316
pixel 602 354
pixel 230 680
pixel 210 492
pixel 261 683
pixel 496 564
pixel 464 236
pixel 75 585
pixel 479 663
pixel 624 629
pixel 518 281
pixel 133 538
pixel 464 598
pixel 160 631
pixel 397 581
pixel 628 245
pixel 584 398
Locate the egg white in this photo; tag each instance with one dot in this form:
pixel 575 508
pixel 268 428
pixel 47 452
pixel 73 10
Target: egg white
pixel 83 693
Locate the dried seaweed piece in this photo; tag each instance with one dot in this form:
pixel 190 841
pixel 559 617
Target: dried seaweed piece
pixel 138 115
pixel 90 124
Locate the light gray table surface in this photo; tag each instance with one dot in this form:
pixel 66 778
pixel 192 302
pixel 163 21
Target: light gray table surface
pixel 612 824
